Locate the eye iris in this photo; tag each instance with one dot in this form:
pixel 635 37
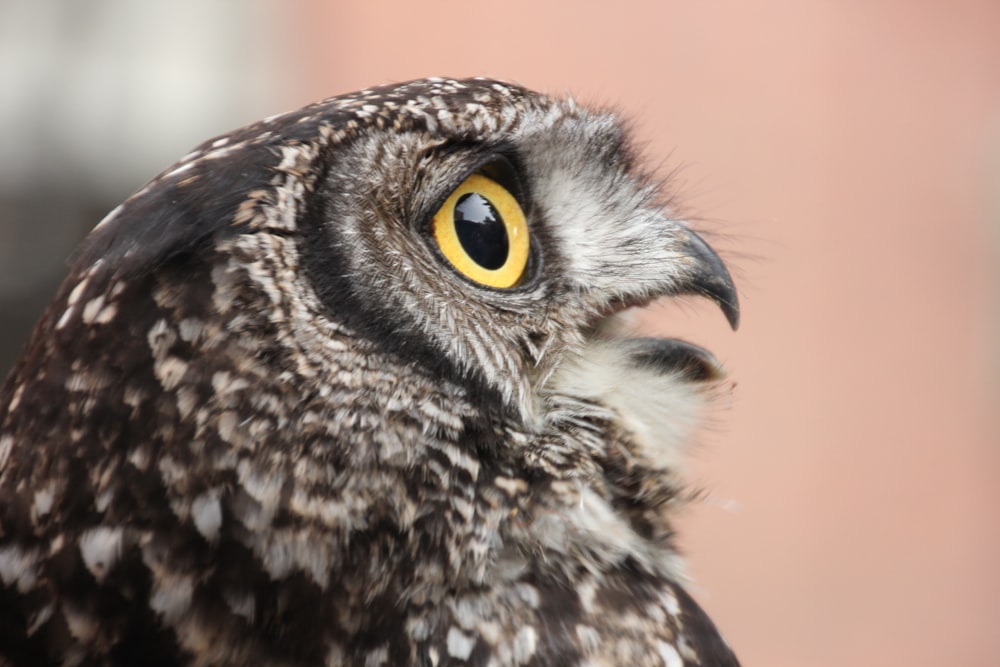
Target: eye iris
pixel 481 231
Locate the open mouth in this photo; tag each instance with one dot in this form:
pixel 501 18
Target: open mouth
pixel 706 276
pixel 660 354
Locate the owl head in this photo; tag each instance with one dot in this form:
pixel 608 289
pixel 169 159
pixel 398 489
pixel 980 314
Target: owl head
pixel 475 228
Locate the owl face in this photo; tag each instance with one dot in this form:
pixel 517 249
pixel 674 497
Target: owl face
pixel 499 243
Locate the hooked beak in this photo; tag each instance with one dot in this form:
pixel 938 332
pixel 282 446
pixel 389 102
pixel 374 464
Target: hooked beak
pixel 708 276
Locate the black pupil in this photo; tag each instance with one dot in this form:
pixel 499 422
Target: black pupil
pixel 481 231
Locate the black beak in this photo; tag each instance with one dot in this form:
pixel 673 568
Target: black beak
pixel 708 276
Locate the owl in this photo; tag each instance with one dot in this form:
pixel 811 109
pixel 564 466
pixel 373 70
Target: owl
pixel 355 385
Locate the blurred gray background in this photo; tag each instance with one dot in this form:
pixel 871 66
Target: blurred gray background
pixel 99 96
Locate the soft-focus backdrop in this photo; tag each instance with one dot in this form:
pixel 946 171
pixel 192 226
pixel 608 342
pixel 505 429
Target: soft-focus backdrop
pixel 843 156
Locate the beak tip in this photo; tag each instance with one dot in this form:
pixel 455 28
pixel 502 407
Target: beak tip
pixel 732 312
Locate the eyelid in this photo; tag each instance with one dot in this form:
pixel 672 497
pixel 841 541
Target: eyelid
pixel 501 169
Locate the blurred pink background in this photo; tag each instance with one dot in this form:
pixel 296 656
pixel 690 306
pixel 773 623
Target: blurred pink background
pixel 845 159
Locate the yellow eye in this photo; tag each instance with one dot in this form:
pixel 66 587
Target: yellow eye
pixel 482 231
